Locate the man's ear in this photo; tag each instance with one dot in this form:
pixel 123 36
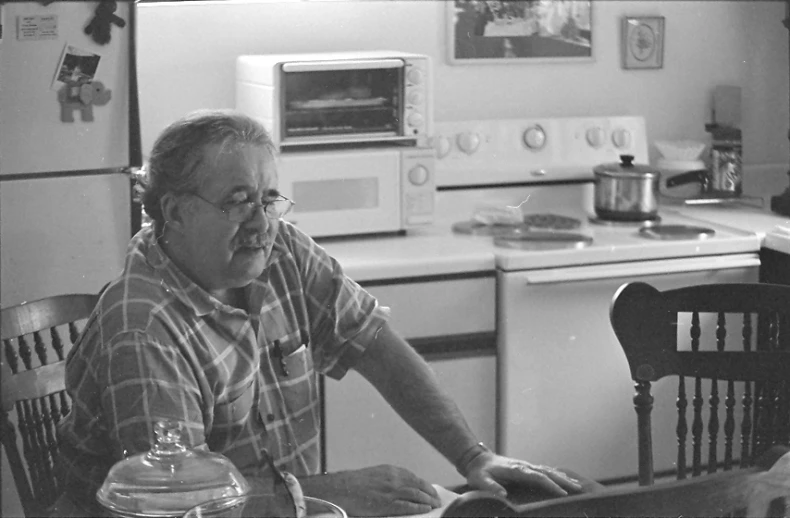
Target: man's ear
pixel 173 210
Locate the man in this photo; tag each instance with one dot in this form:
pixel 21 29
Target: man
pixel 222 319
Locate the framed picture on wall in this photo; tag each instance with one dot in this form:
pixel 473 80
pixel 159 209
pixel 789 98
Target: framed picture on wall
pixel 642 42
pixel 509 31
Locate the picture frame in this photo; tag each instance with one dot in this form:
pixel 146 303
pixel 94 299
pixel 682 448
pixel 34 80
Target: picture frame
pixel 642 42
pixel 510 31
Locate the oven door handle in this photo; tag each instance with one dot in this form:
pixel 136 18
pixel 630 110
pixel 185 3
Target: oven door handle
pixel 641 268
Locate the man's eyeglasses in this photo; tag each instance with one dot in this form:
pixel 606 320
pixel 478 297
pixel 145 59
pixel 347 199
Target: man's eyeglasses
pixel 239 212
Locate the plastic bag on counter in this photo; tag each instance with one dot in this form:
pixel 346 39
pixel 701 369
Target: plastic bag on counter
pixel 497 214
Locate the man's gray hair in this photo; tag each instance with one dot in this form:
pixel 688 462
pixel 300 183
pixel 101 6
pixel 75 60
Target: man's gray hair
pixel 179 151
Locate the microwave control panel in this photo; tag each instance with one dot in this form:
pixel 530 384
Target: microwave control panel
pixel 418 186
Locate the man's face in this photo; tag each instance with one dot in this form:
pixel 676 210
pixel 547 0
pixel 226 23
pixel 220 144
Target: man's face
pixel 224 254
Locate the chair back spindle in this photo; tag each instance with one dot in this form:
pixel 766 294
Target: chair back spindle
pixel 34 399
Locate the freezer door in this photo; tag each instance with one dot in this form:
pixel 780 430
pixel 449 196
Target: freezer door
pixel 43 48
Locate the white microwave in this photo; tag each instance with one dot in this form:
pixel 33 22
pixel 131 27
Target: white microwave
pixel 338 97
pixel 344 192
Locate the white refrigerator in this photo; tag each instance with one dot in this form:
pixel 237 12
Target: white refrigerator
pixel 67 146
pixel 67 149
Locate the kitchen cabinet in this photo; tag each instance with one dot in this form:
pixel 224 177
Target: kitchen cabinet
pixel 451 321
pixel 774 266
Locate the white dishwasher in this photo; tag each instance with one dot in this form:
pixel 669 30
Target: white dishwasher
pixel 566 385
pixel 451 321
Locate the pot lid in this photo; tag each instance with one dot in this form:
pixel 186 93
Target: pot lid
pixel 625 168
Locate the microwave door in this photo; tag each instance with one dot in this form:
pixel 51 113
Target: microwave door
pixel 342 192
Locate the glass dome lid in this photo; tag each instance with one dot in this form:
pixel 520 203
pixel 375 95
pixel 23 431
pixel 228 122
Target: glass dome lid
pixel 169 479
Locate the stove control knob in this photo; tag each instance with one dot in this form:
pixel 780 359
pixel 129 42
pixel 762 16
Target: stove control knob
pixel 468 142
pixel 595 137
pixel 535 137
pixel 442 146
pixel 418 175
pixel 415 98
pixel 621 138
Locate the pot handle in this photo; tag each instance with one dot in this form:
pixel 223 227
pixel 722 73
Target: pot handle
pixel 698 175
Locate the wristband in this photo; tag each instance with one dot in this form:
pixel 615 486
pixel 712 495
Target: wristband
pixel 468 456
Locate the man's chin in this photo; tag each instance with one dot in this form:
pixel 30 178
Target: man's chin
pixel 249 265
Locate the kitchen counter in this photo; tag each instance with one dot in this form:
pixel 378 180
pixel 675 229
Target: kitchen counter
pixel 743 217
pixel 435 251
pixel 422 252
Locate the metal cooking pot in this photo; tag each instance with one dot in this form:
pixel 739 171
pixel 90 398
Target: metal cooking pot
pixel 626 191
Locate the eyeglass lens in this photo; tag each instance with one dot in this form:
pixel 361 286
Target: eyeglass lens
pixel 273 209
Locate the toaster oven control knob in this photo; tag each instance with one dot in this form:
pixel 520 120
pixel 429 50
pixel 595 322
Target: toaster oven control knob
pixel 442 146
pixel 468 142
pixel 535 138
pixel 415 120
pixel 415 76
pixel 595 137
pixel 621 138
pixel 418 175
pixel 415 98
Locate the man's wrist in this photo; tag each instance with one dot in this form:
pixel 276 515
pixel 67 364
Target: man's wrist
pixel 468 456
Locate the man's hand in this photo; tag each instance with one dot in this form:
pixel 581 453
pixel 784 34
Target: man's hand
pixel 376 491
pixel 490 472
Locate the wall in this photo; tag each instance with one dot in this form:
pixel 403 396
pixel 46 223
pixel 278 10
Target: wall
pixel 187 57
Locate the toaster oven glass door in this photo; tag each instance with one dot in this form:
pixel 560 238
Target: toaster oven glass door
pixel 343 192
pixel 354 100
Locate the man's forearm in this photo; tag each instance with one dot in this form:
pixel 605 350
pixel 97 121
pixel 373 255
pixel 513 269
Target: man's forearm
pixel 410 386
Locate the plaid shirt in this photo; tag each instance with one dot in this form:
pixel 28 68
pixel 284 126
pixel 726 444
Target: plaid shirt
pixel 159 346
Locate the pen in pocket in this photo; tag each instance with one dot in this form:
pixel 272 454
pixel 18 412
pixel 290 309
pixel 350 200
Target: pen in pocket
pixel 278 353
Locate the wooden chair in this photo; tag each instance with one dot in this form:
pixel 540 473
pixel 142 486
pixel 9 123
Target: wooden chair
pixel 759 491
pixel 689 332
pixel 35 388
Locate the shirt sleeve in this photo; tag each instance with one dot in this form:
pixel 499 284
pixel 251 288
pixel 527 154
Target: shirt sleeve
pixel 344 317
pixel 147 381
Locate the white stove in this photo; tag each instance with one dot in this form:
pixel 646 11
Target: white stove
pixel 544 167
pixel 560 367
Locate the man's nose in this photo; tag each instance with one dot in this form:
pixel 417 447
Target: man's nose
pixel 259 219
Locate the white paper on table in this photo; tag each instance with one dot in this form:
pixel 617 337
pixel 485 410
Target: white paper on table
pixel 445 496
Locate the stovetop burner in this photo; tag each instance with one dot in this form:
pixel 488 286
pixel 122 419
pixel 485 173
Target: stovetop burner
pixel 670 232
pixel 475 228
pixel 550 221
pixel 625 223
pixel 543 240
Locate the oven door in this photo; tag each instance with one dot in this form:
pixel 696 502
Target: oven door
pixel 565 384
pixel 342 101
pixel 344 192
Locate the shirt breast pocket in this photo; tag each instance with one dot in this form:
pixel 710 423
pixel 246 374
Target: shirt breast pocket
pixel 291 359
pixel 230 417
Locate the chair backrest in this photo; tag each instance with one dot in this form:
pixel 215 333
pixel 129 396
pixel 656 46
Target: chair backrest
pixel 689 332
pixel 759 491
pixel 33 384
